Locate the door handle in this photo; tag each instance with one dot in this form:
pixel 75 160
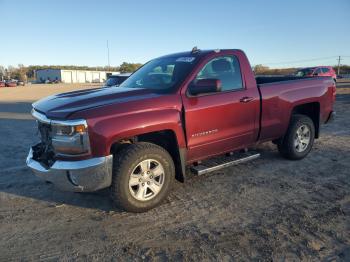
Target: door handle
pixel 246 99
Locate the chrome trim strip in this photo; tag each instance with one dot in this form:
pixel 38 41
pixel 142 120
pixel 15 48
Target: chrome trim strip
pixel 42 118
pixel 201 170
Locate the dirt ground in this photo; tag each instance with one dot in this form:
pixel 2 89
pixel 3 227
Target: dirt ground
pixel 269 209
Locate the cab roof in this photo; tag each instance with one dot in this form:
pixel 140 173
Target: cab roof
pixel 199 53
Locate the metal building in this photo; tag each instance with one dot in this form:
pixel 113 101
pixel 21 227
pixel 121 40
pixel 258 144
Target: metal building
pixel 72 76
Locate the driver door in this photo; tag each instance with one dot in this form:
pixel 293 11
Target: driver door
pixel 222 121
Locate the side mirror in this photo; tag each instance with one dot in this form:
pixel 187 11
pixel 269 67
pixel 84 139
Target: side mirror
pixel 204 86
pixel 315 74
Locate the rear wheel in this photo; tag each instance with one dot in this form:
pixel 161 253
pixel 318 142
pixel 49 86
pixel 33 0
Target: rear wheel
pixel 299 139
pixel 143 174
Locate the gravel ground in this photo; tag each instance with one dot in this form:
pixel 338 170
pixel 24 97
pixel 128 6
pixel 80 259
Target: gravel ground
pixel 269 209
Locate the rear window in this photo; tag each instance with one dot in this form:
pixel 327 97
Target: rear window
pixel 318 71
pixel 113 81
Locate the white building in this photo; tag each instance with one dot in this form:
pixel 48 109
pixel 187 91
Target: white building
pixel 72 76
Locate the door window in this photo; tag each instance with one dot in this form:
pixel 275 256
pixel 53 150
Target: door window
pixel 224 68
pixel 325 70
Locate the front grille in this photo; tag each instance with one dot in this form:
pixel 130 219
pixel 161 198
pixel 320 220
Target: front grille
pixel 44 130
pixel 43 152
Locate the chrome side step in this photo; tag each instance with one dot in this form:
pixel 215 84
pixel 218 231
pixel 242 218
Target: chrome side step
pixel 223 162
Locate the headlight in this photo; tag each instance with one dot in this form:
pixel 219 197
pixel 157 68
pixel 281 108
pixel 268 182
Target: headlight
pixel 61 130
pixel 70 137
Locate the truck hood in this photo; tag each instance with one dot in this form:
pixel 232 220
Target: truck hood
pixel 61 106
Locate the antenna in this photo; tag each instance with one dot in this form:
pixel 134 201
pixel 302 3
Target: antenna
pixel 109 65
pixel 195 50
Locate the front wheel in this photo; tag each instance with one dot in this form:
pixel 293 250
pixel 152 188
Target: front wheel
pixel 143 174
pixel 299 139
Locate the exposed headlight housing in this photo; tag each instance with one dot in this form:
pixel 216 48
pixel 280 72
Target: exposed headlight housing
pixel 70 137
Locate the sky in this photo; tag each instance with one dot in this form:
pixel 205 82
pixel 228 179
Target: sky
pixel 273 33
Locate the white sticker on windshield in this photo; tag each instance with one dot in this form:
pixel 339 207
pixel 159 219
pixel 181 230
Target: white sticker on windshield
pixel 185 59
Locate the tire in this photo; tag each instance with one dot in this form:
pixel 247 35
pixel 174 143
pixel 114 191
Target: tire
pixel 293 146
pixel 130 178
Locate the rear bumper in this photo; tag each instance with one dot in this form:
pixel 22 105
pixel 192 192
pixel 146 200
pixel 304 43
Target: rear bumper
pixel 76 176
pixel 331 117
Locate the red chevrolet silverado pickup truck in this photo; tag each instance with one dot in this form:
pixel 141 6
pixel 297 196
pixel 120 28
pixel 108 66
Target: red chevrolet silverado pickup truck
pixel 201 109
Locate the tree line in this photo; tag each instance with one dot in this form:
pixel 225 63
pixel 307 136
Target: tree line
pixel 27 73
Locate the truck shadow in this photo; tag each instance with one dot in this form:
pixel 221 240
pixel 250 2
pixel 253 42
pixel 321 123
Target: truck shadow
pixel 31 187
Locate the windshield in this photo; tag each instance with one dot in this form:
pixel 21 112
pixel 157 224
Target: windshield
pixel 162 74
pixel 304 72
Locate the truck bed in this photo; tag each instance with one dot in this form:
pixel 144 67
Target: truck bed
pixel 271 79
pixel 279 95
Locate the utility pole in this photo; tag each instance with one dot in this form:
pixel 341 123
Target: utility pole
pixel 109 65
pixel 339 65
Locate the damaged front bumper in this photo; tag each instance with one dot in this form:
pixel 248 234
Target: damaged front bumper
pixel 78 176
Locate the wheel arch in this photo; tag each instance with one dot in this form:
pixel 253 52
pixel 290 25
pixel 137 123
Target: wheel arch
pixel 311 110
pixel 166 139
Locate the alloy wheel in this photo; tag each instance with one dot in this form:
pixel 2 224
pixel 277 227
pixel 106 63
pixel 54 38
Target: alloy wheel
pixel 146 180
